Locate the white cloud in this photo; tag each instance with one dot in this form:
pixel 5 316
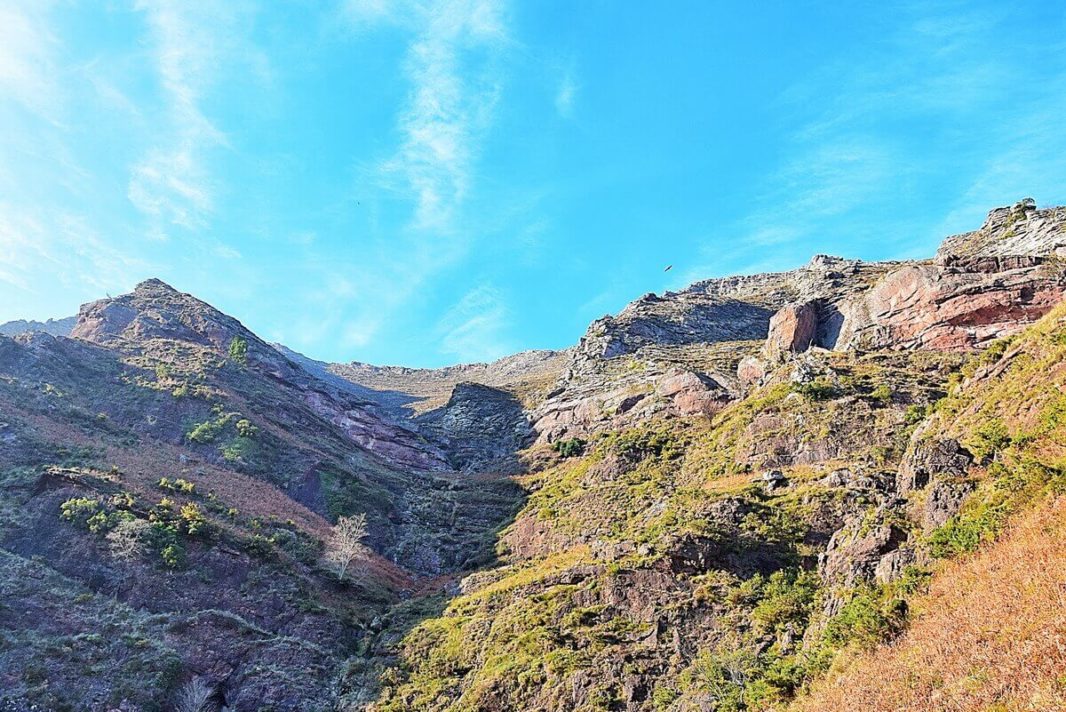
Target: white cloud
pixel 194 45
pixel 41 253
pixel 454 65
pixel 472 329
pixel 938 104
pixel 566 94
pixel 27 65
pixel 455 85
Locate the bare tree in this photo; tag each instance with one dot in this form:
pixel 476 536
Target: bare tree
pixel 195 696
pixel 127 540
pixel 344 544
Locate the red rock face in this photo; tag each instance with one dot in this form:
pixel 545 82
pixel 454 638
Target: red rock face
pixel 938 307
pixel 690 395
pixel 793 328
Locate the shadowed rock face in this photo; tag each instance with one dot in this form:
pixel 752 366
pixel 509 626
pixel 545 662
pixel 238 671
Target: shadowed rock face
pixel 480 428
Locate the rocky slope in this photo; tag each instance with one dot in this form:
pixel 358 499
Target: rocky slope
pixel 234 460
pixel 698 507
pixel 721 563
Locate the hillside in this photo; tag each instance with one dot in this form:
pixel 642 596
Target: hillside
pixel 723 498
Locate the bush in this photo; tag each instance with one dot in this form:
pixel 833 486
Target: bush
pixel 787 598
pixel 882 394
pixel 204 432
pixel 820 389
pixel 573 447
pixel 193 519
pixel 173 556
pixel 915 414
pixel 990 438
pixel 79 509
pixel 245 429
pixel 238 350
pixel 178 485
pixel 129 539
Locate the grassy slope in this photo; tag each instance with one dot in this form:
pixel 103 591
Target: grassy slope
pixel 595 600
pixel 989 633
pixel 647 572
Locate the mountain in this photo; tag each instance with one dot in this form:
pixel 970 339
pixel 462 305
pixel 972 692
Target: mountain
pixel 55 327
pixel 759 492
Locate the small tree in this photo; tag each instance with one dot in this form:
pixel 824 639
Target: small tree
pixel 128 540
pixel 345 543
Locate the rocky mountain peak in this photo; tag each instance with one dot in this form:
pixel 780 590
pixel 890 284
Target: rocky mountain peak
pixel 156 310
pixel 1012 230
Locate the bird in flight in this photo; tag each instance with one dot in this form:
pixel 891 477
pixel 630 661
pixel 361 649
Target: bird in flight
pixel 668 268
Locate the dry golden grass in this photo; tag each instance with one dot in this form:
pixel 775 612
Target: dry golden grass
pixel 989 635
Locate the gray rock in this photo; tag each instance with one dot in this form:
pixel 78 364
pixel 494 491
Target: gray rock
pixel 927 458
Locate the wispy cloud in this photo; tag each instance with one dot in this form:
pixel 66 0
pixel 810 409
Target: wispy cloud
pixel 566 94
pixel 472 329
pixel 454 89
pixel 193 45
pixel 63 250
pixel 454 65
pixel 940 99
pixel 26 56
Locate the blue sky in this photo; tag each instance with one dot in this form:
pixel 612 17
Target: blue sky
pixel 425 183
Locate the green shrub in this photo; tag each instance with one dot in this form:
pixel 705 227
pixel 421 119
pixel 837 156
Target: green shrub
pixel 193 519
pixel 79 509
pixel 572 447
pixel 240 449
pixel 882 394
pixel 178 485
pixel 245 429
pixel 915 414
pixel 786 598
pixel 989 438
pixel 640 443
pixel 238 350
pixel 173 556
pixel 820 389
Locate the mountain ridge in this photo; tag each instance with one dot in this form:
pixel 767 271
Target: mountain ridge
pixel 695 507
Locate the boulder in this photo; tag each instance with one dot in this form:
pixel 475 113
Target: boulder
pixel 751 370
pixel 927 458
pixel 692 394
pixel 944 500
pixel 793 328
pixel 857 554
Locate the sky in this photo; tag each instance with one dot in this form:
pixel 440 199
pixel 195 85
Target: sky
pixel 426 183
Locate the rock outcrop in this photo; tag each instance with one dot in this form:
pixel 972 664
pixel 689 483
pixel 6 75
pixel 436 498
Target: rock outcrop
pixel 1019 229
pixel 951 305
pixel 793 329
